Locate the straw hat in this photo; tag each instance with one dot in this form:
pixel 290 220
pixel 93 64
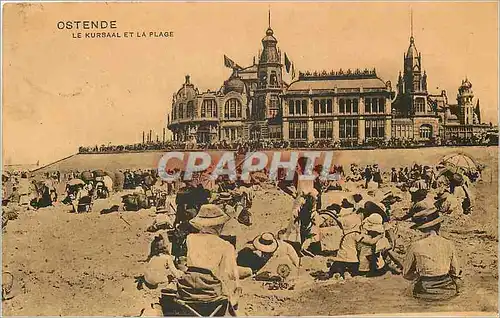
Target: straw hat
pixel 209 215
pixel 426 218
pixel 349 221
pixel 266 242
pixel 374 223
pixel 224 196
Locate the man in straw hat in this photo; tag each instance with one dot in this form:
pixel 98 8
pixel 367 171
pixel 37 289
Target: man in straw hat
pixel 268 257
pixel 212 272
pixel 432 262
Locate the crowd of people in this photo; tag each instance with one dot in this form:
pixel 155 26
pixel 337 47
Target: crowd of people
pixel 199 256
pixel 254 145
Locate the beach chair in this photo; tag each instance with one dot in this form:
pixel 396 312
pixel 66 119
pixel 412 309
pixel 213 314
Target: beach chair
pixel 217 307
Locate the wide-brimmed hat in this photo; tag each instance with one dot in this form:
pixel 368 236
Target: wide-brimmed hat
pixel 374 223
pixel 426 218
pixel 266 242
pixel 350 222
pixel 209 215
pixel 224 196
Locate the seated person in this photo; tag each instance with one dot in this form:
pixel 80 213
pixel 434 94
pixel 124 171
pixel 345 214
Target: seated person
pixel 212 273
pixel 268 258
pixel 160 269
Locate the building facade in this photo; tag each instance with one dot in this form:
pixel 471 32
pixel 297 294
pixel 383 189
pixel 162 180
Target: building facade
pixel 350 106
pixel 255 103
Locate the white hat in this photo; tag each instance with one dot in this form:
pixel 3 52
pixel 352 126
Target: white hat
pixel 266 242
pixel 209 215
pixel 374 223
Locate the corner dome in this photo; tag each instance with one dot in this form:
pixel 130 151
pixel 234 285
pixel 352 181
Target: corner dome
pixel 187 91
pixel 234 84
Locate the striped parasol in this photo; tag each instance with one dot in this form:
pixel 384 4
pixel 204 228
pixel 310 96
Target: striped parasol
pixel 459 162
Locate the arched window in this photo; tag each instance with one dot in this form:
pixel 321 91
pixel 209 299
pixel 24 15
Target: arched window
pixel 425 131
pixel 181 111
pixel 190 109
pixel 232 108
pixel 208 108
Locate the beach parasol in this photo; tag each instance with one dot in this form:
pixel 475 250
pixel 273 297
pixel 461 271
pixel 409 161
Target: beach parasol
pixel 459 162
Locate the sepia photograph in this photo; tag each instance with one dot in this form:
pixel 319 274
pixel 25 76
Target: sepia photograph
pixel 250 158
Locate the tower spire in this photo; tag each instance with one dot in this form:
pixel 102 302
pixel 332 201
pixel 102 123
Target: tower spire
pixel 411 25
pixel 269 16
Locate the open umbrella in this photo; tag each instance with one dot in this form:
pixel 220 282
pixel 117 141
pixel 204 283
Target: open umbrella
pixel 459 162
pixel 74 182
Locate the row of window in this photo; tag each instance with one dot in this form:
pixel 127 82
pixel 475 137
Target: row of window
pixel 374 105
pixel 374 128
pixel 348 128
pixel 231 133
pixel 323 106
pixel 232 109
pixel 402 131
pixel 346 106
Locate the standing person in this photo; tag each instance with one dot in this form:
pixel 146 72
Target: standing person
pixel 377 176
pixel 347 256
pixel 394 175
pixel 368 176
pixel 305 215
pixel 432 262
pixel 319 184
pixel 461 183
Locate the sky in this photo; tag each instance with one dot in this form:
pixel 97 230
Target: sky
pixel 61 92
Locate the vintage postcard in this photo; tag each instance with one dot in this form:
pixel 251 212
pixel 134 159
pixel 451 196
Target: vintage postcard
pixel 249 159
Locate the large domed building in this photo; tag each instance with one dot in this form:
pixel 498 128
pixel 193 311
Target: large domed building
pixel 354 106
